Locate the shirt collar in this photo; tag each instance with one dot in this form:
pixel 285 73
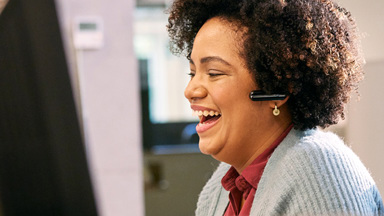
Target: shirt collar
pixel 251 175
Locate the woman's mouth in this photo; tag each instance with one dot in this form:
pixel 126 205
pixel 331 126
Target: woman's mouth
pixel 208 118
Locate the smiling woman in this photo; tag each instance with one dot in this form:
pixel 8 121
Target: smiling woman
pixel 220 82
pixel 264 75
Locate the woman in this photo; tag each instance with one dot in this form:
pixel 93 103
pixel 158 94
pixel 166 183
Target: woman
pixel 264 75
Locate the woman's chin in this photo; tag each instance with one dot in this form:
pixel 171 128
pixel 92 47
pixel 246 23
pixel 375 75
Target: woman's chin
pixel 209 148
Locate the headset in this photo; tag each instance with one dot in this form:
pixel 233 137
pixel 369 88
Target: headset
pixel 259 95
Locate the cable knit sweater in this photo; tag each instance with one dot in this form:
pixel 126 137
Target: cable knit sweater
pixel 310 173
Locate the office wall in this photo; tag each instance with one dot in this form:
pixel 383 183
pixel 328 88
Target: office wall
pixel 369 17
pixel 363 127
pixel 365 119
pixel 107 92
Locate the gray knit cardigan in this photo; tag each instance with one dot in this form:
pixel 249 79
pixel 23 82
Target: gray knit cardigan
pixel 310 173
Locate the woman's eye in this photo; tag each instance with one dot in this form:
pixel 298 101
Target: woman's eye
pixel 215 74
pixel 191 74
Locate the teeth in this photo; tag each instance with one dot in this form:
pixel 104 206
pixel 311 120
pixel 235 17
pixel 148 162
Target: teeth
pixel 205 113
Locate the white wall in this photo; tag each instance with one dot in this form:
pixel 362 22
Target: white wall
pixel 109 89
pixel 364 121
pixel 365 130
pixel 369 17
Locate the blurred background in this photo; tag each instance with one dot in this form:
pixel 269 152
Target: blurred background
pixel 140 145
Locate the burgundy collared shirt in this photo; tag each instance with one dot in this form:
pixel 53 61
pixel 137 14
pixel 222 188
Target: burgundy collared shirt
pixel 245 185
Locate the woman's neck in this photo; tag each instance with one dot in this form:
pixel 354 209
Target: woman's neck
pixel 270 136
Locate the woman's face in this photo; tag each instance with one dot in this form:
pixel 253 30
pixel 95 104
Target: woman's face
pixel 231 124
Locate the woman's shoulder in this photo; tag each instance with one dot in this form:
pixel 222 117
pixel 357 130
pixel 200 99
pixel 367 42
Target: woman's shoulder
pixel 316 147
pixel 315 151
pixel 315 169
pixel 305 153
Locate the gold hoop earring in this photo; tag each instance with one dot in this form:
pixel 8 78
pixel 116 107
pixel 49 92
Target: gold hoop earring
pixel 276 111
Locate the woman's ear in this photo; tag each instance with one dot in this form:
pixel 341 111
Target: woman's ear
pixel 278 103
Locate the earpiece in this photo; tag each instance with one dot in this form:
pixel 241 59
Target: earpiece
pixel 259 95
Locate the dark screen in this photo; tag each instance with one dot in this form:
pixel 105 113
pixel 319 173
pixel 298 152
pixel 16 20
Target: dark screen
pixel 43 165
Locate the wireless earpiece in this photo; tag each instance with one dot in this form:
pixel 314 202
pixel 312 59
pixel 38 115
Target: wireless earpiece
pixel 259 95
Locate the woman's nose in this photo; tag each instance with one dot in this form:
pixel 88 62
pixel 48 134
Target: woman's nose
pixel 195 90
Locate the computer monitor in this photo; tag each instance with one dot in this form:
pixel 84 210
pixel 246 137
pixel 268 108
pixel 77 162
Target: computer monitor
pixel 43 165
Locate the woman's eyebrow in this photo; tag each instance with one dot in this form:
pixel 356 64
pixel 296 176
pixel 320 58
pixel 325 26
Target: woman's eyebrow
pixel 214 59
pixel 208 59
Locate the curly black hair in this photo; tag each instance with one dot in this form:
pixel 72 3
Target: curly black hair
pixel 309 49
